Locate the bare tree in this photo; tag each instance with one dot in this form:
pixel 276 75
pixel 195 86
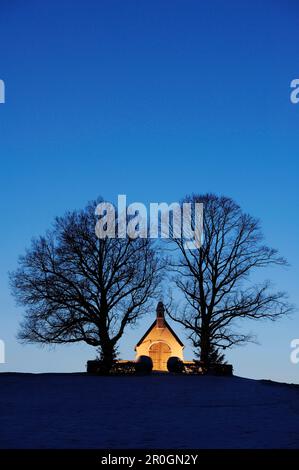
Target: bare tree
pixel 76 287
pixel 214 279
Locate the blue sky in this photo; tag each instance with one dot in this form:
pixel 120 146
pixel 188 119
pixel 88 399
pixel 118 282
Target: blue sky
pixel 154 100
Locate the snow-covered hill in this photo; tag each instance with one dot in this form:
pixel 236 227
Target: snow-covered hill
pixel 159 411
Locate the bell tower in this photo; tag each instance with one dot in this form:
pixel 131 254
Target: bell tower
pixel 160 315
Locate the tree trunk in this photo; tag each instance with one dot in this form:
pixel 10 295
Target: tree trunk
pixel 205 348
pixel 107 350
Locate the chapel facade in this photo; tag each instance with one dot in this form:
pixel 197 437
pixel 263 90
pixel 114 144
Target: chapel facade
pixel 160 342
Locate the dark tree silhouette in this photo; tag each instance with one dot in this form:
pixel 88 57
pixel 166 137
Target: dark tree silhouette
pixel 76 287
pixel 214 279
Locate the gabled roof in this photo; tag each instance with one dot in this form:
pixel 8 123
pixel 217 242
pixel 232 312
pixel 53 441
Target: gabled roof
pixel 167 326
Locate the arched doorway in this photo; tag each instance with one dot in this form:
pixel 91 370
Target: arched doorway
pixel 160 353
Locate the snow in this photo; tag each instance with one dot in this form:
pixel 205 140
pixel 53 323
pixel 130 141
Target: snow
pixel 158 411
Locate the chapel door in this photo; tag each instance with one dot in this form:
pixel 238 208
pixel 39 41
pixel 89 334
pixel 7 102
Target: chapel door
pixel 160 353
